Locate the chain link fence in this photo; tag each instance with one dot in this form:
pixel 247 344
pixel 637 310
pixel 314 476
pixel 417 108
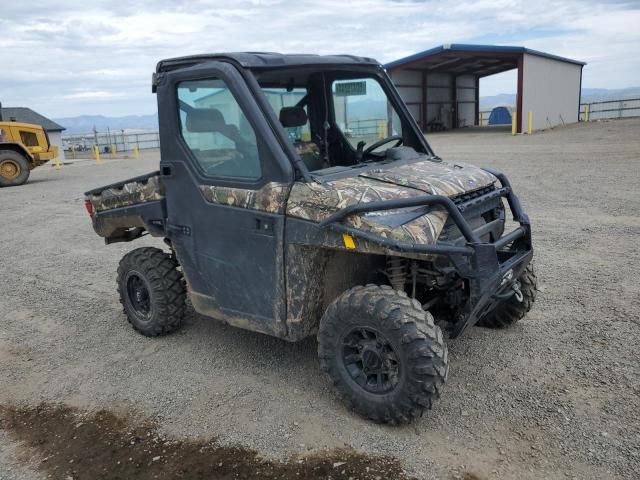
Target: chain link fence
pixel 110 142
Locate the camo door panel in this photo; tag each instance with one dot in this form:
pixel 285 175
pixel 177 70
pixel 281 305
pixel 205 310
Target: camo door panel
pixel 271 198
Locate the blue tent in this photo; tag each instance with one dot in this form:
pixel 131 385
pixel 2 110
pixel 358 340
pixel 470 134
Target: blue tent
pixel 500 116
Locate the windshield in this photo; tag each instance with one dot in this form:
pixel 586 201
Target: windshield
pixel 363 112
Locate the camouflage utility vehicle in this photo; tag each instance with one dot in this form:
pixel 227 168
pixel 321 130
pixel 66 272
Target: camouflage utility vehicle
pixel 297 197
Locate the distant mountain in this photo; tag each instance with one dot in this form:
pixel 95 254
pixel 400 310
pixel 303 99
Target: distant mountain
pixel 602 94
pixel 86 123
pixel 500 100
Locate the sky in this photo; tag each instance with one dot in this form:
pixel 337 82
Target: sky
pixel 66 58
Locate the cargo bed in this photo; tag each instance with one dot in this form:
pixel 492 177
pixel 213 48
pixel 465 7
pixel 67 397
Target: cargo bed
pixel 126 210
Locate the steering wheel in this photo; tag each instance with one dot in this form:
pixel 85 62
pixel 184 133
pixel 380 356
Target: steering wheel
pixel 369 150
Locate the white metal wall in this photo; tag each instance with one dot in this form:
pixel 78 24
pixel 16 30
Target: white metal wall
pixel 409 85
pixel 466 97
pixel 550 90
pixel 55 138
pixel 439 98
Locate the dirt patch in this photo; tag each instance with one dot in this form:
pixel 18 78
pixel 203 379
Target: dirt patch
pixel 77 445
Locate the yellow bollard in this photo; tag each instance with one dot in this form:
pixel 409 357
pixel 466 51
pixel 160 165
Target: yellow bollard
pixel 136 151
pixel 73 152
pixel 481 120
pixel 57 162
pixel 113 151
pixel 587 110
pixel 530 123
pixel 96 152
pixel 513 122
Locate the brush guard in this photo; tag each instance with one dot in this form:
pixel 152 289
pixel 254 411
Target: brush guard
pixel 491 269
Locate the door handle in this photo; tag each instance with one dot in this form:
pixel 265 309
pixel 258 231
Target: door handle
pixel 264 225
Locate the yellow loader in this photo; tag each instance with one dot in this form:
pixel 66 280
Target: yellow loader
pixel 23 147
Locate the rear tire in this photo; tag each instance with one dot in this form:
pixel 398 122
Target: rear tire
pixel 14 169
pixel 511 310
pixel 152 291
pixel 386 358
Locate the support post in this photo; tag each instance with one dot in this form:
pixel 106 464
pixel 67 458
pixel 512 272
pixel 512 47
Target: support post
pixel 477 101
pixel 454 101
pixel 520 64
pixel 423 104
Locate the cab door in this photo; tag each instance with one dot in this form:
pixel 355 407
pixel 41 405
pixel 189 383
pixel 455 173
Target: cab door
pixel 226 180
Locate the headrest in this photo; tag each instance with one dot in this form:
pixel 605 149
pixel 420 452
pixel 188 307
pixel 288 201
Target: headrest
pixel 201 120
pixel 293 117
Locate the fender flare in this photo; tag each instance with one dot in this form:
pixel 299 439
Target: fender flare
pixel 18 148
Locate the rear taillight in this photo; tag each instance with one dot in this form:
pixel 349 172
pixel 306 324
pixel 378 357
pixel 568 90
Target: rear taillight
pixel 89 206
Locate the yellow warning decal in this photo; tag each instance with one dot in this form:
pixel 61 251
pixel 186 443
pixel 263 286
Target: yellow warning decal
pixel 348 241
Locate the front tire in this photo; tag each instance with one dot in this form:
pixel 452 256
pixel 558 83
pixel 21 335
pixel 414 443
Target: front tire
pixel 383 352
pixel 512 310
pixel 14 169
pixel 152 291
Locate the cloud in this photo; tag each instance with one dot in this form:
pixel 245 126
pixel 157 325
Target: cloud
pixel 67 58
pixel 91 95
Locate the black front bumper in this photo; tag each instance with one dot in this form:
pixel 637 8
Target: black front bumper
pixel 490 268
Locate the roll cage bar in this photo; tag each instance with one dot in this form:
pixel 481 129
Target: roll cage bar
pixel 369 67
pixel 455 213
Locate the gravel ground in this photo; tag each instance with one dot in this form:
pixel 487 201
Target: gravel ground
pixel 556 396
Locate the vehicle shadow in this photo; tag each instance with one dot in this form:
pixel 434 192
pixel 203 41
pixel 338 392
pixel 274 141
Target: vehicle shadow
pixel 256 352
pixel 290 368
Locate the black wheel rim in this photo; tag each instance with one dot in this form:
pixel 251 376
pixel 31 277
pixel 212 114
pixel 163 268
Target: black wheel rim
pixel 138 294
pixel 370 360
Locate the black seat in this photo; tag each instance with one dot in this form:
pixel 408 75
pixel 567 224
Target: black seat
pixel 204 120
pixel 293 117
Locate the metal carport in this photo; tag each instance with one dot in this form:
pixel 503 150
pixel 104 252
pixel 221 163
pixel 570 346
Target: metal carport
pixel 441 86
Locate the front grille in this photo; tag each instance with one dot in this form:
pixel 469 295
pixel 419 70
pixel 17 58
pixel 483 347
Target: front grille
pixel 465 197
pixel 477 211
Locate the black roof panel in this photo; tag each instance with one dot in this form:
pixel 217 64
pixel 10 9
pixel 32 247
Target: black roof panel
pixel 264 60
